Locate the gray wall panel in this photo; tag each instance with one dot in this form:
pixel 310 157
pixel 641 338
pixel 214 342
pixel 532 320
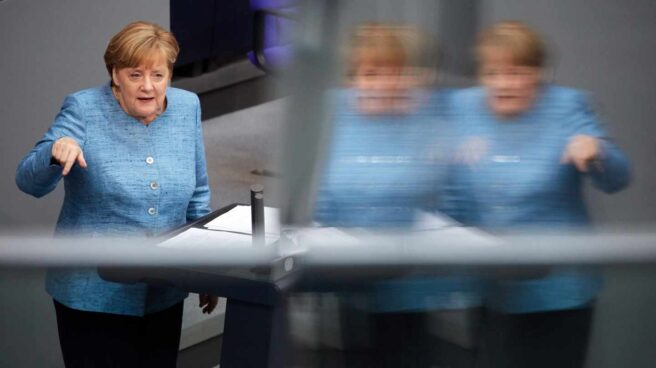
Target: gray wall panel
pixel 50 49
pixel 47 50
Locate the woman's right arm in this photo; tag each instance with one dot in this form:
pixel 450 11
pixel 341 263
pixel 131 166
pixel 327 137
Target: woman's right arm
pixel 612 171
pixel 40 171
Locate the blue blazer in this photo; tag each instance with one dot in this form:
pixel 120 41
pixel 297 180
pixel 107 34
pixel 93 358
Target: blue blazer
pixel 379 172
pixel 141 180
pixel 519 183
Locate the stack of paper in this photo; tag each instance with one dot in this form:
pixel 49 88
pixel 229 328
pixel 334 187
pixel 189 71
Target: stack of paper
pixel 238 220
pixel 207 239
pixel 232 229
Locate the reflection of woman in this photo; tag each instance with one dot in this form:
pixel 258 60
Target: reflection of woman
pixel 528 148
pixel 382 168
pixel 378 172
pixel 132 158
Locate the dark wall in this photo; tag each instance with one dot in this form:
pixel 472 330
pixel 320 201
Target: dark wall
pixel 219 31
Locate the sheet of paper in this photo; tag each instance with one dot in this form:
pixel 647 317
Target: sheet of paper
pixel 464 236
pixel 432 221
pixel 337 237
pixel 445 232
pixel 238 219
pixel 210 239
pixel 447 229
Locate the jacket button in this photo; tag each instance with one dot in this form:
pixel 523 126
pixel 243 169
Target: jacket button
pixel 153 185
pixel 152 211
pixel 149 160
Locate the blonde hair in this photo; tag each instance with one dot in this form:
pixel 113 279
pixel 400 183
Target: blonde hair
pixel 377 44
pixel 395 45
pixel 138 43
pixel 525 46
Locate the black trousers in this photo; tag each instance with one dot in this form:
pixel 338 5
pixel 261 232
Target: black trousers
pixel 397 340
pixel 547 339
pixel 91 339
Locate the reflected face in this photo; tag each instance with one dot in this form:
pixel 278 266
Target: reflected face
pixel 383 88
pixel 371 77
pixel 511 88
pixel 141 91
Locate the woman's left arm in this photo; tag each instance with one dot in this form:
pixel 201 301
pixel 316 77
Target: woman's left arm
pixel 594 152
pixel 199 205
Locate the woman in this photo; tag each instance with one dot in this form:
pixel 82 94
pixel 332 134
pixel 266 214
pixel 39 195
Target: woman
pixel 132 158
pixel 384 130
pixel 383 168
pixel 528 147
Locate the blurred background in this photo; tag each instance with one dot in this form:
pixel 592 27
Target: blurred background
pixel 238 56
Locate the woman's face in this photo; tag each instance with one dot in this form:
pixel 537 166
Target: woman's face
pixel 511 88
pixel 142 90
pixel 383 88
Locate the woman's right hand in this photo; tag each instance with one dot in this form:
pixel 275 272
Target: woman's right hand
pixel 207 302
pixel 66 152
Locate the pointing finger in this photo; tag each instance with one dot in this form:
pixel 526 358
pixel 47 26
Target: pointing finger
pixel 69 161
pixel 81 161
pixel 581 164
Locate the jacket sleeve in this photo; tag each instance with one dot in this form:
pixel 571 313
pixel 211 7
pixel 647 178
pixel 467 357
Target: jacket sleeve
pixel 612 173
pixel 454 198
pixel 455 192
pixel 36 175
pixel 199 205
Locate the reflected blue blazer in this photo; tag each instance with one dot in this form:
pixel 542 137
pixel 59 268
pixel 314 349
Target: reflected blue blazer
pixel 521 184
pixel 379 172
